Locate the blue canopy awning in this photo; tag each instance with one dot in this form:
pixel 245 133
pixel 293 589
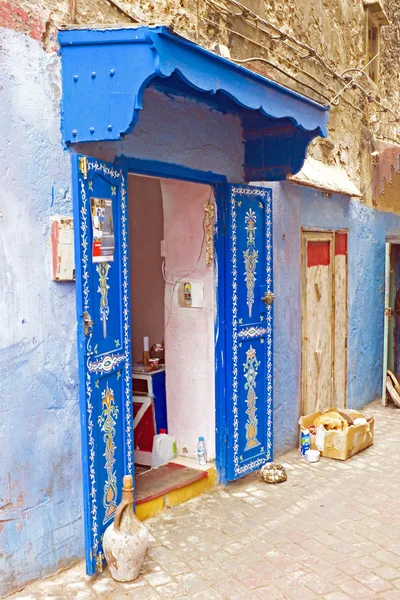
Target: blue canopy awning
pixel 105 72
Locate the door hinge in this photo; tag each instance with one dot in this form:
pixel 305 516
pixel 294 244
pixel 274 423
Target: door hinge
pixel 389 312
pixel 83 166
pixel 99 562
pixel 87 323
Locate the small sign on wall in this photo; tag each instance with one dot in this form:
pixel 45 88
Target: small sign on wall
pixel 62 248
pixel 191 294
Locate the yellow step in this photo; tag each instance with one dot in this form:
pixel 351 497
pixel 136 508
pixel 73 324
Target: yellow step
pixel 153 507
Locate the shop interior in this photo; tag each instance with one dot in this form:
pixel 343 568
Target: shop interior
pixel 172 322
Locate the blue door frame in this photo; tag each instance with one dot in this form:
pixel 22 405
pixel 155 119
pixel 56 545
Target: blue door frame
pixel 104 349
pixel 218 183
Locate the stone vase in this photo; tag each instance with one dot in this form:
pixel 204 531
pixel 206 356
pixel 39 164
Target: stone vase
pixel 125 541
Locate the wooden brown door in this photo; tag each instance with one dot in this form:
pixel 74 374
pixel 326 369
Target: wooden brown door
pixel 324 320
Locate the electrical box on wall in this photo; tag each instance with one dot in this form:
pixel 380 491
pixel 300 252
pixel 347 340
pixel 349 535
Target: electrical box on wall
pixel 62 248
pixel 191 294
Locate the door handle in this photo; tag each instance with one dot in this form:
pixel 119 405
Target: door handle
pixel 389 312
pixel 268 298
pixel 87 323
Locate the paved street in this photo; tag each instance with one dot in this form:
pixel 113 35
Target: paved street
pixel 331 532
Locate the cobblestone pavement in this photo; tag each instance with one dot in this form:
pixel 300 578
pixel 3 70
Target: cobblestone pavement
pixel 331 532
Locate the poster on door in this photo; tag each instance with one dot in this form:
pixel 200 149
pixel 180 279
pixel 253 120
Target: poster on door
pixel 103 230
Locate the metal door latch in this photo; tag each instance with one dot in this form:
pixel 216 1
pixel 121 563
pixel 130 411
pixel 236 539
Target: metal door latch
pixel 87 323
pixel 268 298
pixel 389 312
pixel 83 166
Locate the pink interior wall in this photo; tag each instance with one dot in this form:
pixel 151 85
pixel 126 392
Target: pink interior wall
pixel 189 335
pixel 147 283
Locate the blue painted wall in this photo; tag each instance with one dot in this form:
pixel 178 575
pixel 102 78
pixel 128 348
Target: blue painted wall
pixel 40 476
pixel 296 207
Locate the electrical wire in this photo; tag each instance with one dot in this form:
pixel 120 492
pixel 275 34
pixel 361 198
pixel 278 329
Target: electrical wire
pixel 280 70
pixel 255 42
pixel 197 20
pixel 124 12
pixel 283 36
pixel 367 187
pixel 359 71
pixel 263 25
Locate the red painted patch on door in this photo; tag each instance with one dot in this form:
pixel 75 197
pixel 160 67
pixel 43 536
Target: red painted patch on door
pixel 318 253
pixel 341 244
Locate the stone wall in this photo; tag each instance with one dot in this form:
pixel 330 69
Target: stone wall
pixel 335 29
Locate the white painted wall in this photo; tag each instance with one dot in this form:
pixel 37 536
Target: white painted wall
pixel 189 335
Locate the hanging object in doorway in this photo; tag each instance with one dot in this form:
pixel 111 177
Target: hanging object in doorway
pixel 209 231
pixel 273 473
pixel 126 541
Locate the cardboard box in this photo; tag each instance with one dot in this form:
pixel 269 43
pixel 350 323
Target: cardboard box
pixel 342 444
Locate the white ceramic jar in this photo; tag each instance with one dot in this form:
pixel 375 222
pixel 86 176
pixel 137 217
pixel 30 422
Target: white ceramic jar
pixel 126 541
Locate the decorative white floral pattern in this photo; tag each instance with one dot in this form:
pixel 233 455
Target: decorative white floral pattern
pixel 269 319
pixel 265 194
pixel 106 363
pixel 252 332
pixel 234 330
pixel 88 379
pixel 250 374
pixel 250 256
pixel 101 167
pixel 107 421
pixel 102 269
pixel 126 326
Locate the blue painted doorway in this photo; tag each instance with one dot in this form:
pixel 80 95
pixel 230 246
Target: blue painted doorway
pixel 243 332
pixel 104 353
pixel 249 321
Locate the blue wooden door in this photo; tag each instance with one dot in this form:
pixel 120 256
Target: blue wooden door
pixel 249 295
pixel 102 288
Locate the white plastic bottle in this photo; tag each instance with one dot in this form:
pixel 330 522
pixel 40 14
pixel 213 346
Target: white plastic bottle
pixel 164 448
pixel 201 452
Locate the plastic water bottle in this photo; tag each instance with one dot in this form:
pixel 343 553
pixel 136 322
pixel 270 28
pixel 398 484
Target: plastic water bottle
pixel 201 452
pixel 305 441
pixel 164 448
